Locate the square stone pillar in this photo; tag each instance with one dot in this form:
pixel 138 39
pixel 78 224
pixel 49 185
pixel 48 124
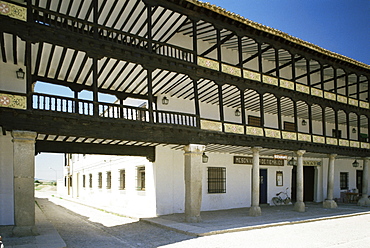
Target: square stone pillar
pixel 365 201
pixel 329 201
pixel 193 182
pixel 24 176
pixel 299 205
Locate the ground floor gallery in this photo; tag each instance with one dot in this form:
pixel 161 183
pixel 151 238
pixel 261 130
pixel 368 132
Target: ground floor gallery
pixel 137 187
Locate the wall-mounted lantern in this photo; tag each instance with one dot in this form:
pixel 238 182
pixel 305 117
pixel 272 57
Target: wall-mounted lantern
pixel 304 122
pixel 237 112
pixel 204 158
pixel 20 73
pixel 354 130
pixel 165 100
pixel 355 164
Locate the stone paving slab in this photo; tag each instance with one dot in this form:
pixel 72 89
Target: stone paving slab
pixel 48 237
pixel 233 220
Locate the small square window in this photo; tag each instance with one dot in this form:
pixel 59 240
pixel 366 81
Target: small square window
pixel 141 178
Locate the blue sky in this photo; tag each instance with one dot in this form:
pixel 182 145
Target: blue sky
pixel 341 26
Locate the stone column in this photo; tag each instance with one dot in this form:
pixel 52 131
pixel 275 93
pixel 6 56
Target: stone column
pixel 255 209
pixel 193 182
pixel 24 198
pixel 299 205
pixel 365 201
pixel 329 201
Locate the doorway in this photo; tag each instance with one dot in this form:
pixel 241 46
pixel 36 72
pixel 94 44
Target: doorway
pixel 359 175
pixel 263 186
pixel 308 183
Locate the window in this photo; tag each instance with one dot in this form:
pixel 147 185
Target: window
pixel 100 180
pixel 90 180
pixel 289 126
pixel 254 121
pixel 344 180
pixel 84 181
pixel 122 179
pixel 141 178
pixel 109 179
pixel 216 180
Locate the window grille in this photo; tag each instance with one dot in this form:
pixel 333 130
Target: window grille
pixel 254 121
pixel 100 180
pixel 141 178
pixel 109 179
pixel 216 180
pixel 90 180
pixel 344 180
pixel 289 126
pixel 122 179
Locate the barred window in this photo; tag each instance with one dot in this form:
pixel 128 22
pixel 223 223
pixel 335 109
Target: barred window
pixel 100 180
pixel 109 179
pixel 122 179
pixel 84 181
pixel 344 180
pixel 90 180
pixel 216 180
pixel 141 178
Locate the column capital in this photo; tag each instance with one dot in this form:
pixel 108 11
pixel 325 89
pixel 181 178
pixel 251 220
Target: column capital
pixel 366 159
pixel 332 156
pixel 24 136
pixel 300 152
pixel 256 149
pixel 194 148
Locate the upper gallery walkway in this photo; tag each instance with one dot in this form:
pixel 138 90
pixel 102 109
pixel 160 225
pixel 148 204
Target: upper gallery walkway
pixel 157 50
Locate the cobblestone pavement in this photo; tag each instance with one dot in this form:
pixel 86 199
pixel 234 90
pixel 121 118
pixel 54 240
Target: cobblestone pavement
pixel 81 226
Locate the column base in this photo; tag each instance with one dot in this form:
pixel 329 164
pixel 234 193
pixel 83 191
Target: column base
pixel 22 231
pixel 193 219
pixel 364 201
pixel 255 211
pixel 300 207
pixel 329 204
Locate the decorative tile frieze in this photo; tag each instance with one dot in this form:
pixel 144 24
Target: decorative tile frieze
pixel 232 70
pixel 304 137
pixel 252 75
pixel 316 92
pixel 271 133
pixel 233 128
pixel 289 135
pixel 352 101
pixel 330 96
pixel 302 88
pixel 255 131
pixel 208 63
pixel 355 144
pixel 270 80
pixel 318 139
pixel 365 145
pixel 13 101
pixel 364 105
pixel 211 125
pixel 286 84
pixel 342 99
pixel 13 11
pixel 332 141
pixel 343 142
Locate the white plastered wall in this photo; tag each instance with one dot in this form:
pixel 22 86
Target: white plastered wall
pixel 9 81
